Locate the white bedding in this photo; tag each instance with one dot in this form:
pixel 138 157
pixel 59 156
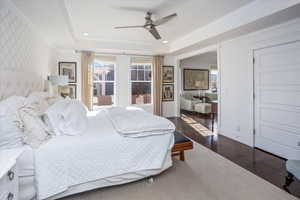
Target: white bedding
pixel 67 117
pixel 66 161
pixel 133 122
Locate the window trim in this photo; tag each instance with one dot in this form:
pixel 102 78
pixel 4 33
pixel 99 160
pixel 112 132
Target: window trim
pixel 213 72
pixel 105 81
pixel 137 81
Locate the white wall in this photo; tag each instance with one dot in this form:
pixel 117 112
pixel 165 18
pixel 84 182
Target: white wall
pixel 22 49
pixel 122 81
pixel 237 77
pixel 169 108
pixel 202 61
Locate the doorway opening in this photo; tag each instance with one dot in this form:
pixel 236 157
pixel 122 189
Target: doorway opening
pixel 199 91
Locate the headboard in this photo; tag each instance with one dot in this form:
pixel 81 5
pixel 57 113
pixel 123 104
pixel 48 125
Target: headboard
pixel 19 83
pixel 24 57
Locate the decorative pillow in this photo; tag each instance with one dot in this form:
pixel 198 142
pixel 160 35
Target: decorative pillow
pixel 52 100
pixel 41 101
pixel 11 135
pixel 35 131
pixel 67 117
pixel 36 97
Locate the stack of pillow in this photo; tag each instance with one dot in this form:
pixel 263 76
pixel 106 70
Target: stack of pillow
pixel 35 119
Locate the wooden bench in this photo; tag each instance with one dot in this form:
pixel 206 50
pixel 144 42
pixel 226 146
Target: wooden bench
pixel 181 144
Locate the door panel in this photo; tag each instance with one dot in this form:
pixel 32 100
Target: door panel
pixel 279 117
pixel 282 136
pixel 277 102
pixel 281 97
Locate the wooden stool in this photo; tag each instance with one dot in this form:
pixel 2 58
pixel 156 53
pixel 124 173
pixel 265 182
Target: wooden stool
pixel 181 144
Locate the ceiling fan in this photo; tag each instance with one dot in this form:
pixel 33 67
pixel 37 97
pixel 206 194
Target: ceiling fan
pixel 150 25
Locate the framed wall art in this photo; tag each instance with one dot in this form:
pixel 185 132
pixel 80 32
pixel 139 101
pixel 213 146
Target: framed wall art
pixel 68 91
pixel 195 79
pixel 168 74
pixel 168 92
pixel 68 69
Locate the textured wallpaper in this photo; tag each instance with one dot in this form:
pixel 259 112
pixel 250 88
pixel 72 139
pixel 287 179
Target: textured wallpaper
pixel 24 57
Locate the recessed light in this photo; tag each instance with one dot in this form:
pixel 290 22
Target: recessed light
pixel 86 34
pixel 165 41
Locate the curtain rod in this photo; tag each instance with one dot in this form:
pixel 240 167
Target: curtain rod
pixel 114 54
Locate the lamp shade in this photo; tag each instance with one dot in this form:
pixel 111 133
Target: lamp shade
pixel 58 80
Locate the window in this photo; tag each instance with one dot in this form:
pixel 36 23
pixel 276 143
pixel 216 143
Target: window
pixel 141 83
pixel 103 82
pixel 214 80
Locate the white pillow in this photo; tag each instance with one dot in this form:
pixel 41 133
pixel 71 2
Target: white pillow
pixel 35 131
pixel 67 117
pixel 11 135
pixel 37 96
pixel 41 101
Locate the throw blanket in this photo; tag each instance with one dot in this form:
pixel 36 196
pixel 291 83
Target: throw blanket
pixel 131 122
pixel 100 153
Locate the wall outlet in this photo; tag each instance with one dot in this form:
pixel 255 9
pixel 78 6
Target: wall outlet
pixel 238 128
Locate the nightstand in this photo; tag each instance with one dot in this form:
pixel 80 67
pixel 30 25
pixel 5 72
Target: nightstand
pixel 9 183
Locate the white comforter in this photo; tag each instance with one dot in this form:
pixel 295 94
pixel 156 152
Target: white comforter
pixel 100 153
pixel 132 122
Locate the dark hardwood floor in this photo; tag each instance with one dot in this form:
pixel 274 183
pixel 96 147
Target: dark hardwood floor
pixel 263 164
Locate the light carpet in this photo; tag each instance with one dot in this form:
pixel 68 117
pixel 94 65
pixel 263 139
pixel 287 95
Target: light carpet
pixel 204 176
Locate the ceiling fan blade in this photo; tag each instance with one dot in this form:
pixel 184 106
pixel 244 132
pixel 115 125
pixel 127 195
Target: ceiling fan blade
pixel 164 19
pixel 154 32
pixel 127 8
pixel 119 27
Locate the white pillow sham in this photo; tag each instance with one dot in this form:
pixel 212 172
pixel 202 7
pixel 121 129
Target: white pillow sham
pixel 37 96
pixel 35 131
pixel 11 135
pixel 67 117
pixel 41 101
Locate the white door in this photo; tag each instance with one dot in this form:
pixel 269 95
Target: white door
pixel 277 100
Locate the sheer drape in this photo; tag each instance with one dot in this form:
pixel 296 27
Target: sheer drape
pixel 87 78
pixel 157 85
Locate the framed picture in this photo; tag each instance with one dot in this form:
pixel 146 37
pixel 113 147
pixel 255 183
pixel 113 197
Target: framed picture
pixel 68 91
pixel 68 69
pixel 195 79
pixel 168 92
pixel 168 74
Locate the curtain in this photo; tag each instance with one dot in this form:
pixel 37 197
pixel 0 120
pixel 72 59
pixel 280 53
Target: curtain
pixel 86 78
pixel 157 89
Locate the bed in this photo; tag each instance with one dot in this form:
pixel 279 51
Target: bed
pixel 89 156
pixel 92 154
pixel 103 139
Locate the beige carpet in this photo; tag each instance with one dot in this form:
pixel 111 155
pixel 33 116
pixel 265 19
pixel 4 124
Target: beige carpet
pixel 204 176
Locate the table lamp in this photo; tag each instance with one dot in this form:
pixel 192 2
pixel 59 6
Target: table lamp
pixel 55 82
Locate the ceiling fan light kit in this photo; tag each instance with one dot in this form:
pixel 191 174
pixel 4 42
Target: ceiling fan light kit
pixel 151 25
